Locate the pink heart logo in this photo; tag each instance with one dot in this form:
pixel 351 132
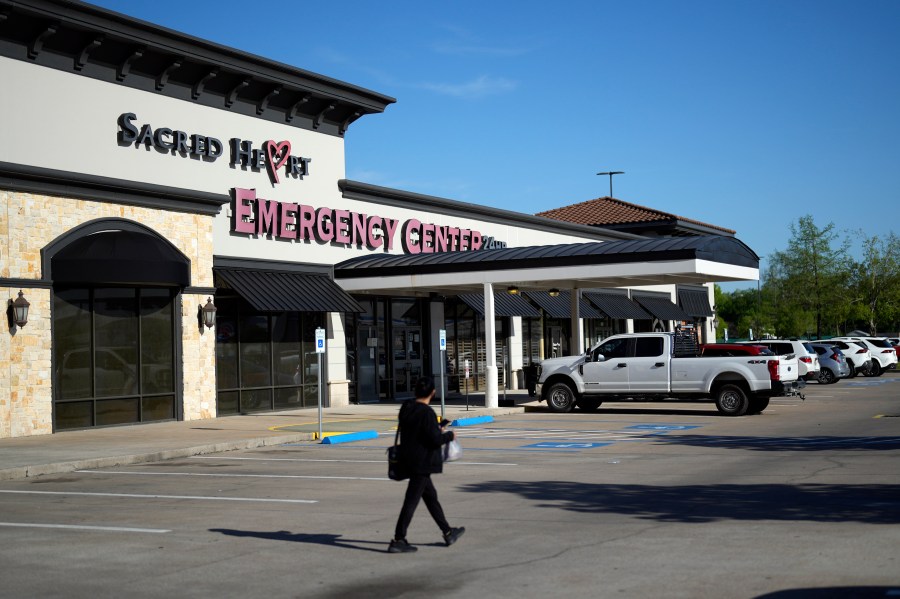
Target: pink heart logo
pixel 277 154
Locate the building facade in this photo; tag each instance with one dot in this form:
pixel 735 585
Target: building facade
pixel 148 177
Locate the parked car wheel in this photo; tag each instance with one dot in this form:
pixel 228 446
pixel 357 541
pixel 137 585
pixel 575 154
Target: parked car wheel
pixel 874 369
pixel 732 400
pixel 827 377
pixel 560 398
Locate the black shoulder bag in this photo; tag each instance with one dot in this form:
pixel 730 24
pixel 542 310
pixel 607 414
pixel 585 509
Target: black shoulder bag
pixel 396 469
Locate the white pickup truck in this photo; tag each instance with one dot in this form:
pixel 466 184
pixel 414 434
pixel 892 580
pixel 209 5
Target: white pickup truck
pixel 644 366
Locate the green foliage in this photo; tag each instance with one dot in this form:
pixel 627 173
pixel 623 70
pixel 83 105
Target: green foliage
pixel 815 289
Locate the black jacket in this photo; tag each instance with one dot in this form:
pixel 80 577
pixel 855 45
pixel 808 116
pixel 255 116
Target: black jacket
pixel 421 439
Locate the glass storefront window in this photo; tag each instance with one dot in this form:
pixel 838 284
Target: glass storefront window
pixel 264 361
pixel 113 347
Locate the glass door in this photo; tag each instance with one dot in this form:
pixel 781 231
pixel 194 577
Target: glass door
pixel 407 353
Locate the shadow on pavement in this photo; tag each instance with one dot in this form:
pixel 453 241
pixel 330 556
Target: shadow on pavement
pixel 317 539
pixel 835 592
pixel 870 504
pixel 820 443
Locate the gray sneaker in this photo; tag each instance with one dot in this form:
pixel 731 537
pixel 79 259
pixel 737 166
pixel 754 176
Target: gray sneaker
pixel 401 546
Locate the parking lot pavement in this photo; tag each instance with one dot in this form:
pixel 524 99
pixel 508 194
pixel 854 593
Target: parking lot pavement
pixel 97 448
pixel 637 500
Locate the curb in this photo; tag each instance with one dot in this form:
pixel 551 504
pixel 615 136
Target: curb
pixel 21 472
pixel 471 421
pixel 335 438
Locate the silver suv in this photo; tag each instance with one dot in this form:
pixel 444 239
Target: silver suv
pixel 832 362
pixel 806 355
pixel 884 357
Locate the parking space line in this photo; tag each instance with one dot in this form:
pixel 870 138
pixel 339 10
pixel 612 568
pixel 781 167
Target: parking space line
pixel 210 457
pixel 83 527
pixel 225 475
pixel 204 457
pixel 154 496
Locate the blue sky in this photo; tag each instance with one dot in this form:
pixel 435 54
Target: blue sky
pixel 747 115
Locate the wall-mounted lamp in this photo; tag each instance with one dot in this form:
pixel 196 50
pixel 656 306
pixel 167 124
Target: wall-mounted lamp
pixel 208 314
pixel 20 310
pixel 512 290
pixel 554 292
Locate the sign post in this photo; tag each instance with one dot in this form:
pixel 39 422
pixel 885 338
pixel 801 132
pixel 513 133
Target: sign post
pixel 320 351
pixel 443 336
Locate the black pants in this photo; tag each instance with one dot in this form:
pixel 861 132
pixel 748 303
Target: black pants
pixel 420 487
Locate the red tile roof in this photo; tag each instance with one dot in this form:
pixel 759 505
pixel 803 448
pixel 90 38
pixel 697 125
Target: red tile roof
pixel 610 211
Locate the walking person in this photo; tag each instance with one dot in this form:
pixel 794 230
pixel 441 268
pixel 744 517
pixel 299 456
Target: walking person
pixel 421 438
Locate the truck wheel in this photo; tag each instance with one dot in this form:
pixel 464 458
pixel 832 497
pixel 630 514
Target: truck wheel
pixel 732 400
pixel 757 405
pixel 588 405
pixel 560 398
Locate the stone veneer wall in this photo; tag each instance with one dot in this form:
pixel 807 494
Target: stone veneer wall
pixel 28 222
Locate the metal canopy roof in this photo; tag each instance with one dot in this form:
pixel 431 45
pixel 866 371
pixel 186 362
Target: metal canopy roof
pixel 276 291
pixel 617 306
pixel 504 304
pixel 695 302
pixel 627 263
pixel 560 306
pixel 662 307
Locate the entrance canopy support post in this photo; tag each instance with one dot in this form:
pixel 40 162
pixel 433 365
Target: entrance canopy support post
pixel 576 343
pixel 491 399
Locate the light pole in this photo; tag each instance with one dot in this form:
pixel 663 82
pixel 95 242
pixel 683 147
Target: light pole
pixel 611 173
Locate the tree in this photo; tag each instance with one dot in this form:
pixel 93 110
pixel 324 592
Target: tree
pixel 875 283
pixel 804 283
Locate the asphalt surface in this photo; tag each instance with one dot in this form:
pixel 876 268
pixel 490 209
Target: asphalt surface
pixel 636 500
pixel 97 448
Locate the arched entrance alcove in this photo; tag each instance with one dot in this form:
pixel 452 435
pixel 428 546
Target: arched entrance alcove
pixel 116 332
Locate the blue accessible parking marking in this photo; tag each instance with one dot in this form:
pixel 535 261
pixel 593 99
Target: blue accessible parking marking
pixel 567 445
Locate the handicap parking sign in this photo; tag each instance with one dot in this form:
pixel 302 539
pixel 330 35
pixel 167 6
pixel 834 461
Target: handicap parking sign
pixel 320 341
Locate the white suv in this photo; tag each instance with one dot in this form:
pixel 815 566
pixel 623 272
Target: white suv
pixel 884 357
pixel 859 358
pixel 806 356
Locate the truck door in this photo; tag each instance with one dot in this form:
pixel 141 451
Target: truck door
pixel 648 368
pixel 610 375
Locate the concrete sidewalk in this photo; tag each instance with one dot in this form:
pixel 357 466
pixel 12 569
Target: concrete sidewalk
pixel 115 446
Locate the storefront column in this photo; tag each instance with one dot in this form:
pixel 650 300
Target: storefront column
pixel 576 343
pixel 491 399
pixel 515 353
pixel 436 323
pixel 338 388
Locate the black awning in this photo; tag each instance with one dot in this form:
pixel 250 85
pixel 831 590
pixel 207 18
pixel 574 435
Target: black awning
pixel 559 306
pixel 504 304
pixel 662 308
pixel 278 291
pixel 617 305
pixel 695 302
pixel 124 257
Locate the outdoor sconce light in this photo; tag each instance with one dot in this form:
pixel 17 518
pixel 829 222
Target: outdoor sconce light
pixel 512 290
pixel 554 292
pixel 208 314
pixel 20 310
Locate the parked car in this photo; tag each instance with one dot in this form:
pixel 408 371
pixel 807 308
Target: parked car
pixel 859 358
pixel 809 360
pixel 883 355
pixel 895 341
pixel 832 363
pixel 642 366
